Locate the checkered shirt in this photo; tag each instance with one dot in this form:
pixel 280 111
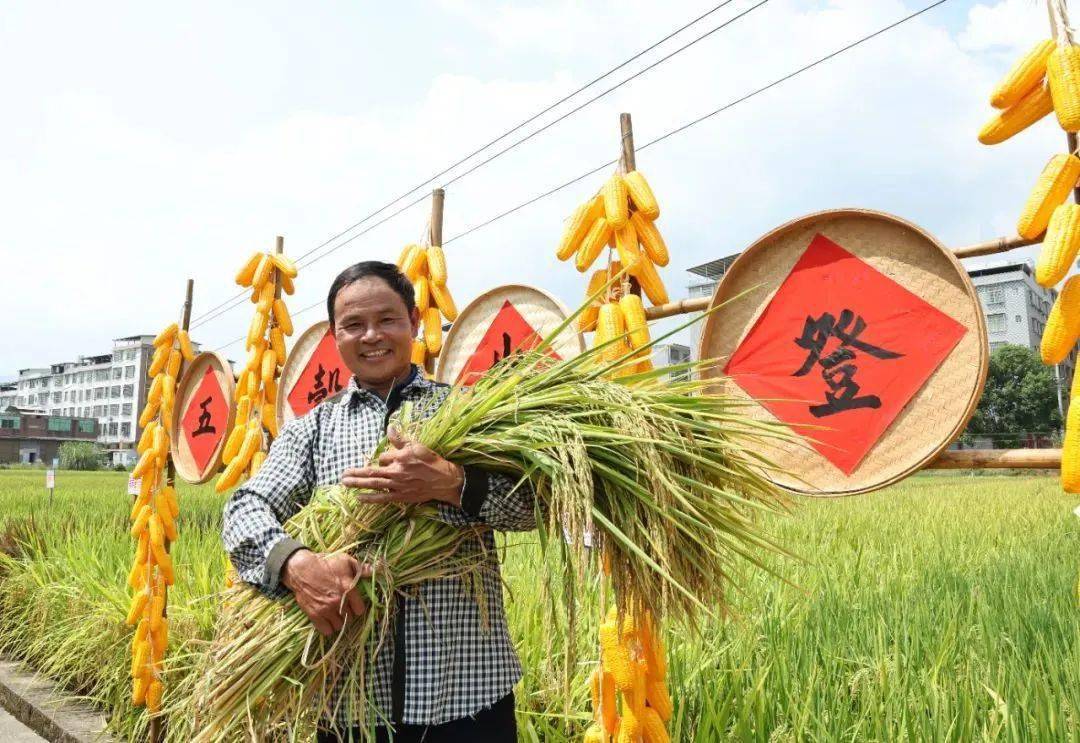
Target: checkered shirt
pixel 454 667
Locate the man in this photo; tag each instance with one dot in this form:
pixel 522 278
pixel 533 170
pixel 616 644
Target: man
pixel 446 675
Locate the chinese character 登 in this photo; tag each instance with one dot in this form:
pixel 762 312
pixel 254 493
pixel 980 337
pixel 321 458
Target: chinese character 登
pixel 204 419
pixel 322 390
pixel 837 369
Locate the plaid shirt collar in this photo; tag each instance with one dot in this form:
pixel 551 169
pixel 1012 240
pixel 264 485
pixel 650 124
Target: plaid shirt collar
pixel 413 383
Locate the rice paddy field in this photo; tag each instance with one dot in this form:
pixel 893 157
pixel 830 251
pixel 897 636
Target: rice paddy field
pixel 943 608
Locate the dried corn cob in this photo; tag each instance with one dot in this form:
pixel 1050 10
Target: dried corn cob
pixel 444 301
pixel 1055 182
pixel 1070 450
pixel 433 330
pixel 577 226
pixel 1029 109
pixel 1060 246
pixel 436 265
pixel 626 242
pixel 1023 77
pixel 650 282
pixel 641 195
pixel 1063 74
pixel 1063 324
pixel 595 240
pixel 616 201
pixel 650 239
pixel 636 325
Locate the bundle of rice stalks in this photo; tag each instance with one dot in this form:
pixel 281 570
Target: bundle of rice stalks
pixel 664 475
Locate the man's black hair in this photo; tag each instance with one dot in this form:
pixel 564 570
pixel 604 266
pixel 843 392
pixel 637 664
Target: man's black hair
pixel 388 272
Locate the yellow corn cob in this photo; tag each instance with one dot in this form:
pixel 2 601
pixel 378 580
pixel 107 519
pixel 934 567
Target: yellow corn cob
pixel 1024 75
pixel 629 727
pixel 283 264
pixel 1056 180
pixel 172 368
pixel 594 734
pixel 626 242
pixel 268 365
pixel 157 538
pixel 277 342
pixel 270 392
pixel 440 294
pixel 257 329
pixel 148 413
pixel 595 240
pixel 1063 74
pixel 138 692
pixel 170 498
pixel 1070 450
pixel 185 346
pixel 257 460
pixel 154 393
pixel 139 658
pixel 596 282
pixel 165 566
pixel 137 575
pixel 157 611
pixel 614 654
pixel 236 437
pixel 145 461
pixel 419 352
pixel 252 443
pixel 641 195
pixel 138 603
pixel 146 438
pixel 168 393
pixel 616 206
pixel 269 420
pixel 246 274
pixel 159 638
pixel 588 318
pixel 658 697
pixel 164 513
pixel 262 273
pixel 158 361
pixel 1063 325
pixel 634 314
pixel 414 262
pixel 577 226
pixel 1029 109
pixel 229 477
pixel 160 443
pixel 166 336
pixel 142 550
pixel 281 315
pixel 423 296
pixel 403 257
pixel 146 487
pixel 432 330
pixel 1060 246
pixel 609 713
pixel 650 282
pixel 652 727
pixel 287 285
pixel 243 411
pixel 153 696
pixel 652 648
pixel 266 297
pixel 436 263
pixel 651 239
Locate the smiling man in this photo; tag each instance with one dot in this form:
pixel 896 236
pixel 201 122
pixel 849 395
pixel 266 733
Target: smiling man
pixel 448 673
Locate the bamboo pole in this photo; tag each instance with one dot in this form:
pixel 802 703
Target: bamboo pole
pixel 959 459
pixel 628 161
pixel 435 236
pixel 170 481
pixel 997 245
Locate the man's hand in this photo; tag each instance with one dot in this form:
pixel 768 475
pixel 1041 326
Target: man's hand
pixel 408 472
pixel 318 581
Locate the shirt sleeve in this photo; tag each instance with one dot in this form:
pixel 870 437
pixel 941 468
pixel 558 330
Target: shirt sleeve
pixel 252 526
pixel 495 499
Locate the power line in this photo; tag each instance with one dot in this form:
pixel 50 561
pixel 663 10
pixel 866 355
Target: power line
pixel 675 131
pixel 232 301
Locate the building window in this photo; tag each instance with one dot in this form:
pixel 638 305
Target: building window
pixel 59 424
pixel 995 296
pixel 114 410
pixel 129 390
pixel 116 389
pixel 86 426
pixel 125 409
pixel 112 429
pixel 56 397
pixel 97 411
pixel 129 372
pixel 125 430
pixel 995 323
pixel 9 421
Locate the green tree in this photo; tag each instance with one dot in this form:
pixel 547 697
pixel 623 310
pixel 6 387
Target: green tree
pixel 1020 396
pixel 81 455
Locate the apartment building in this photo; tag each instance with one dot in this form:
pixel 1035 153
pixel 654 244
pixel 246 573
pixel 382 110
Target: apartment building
pixel 109 388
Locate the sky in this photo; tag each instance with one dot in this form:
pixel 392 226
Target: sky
pixel 143 144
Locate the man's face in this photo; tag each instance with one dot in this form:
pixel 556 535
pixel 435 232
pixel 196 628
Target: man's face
pixel 374 332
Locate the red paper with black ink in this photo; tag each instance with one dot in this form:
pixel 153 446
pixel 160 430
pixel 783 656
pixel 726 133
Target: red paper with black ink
pixel 204 420
pixel 508 332
pixel 324 375
pixel 843 347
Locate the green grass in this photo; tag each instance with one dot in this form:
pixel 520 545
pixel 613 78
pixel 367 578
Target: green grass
pixel 940 609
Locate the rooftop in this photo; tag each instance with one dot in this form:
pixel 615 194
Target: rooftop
pixel 714 269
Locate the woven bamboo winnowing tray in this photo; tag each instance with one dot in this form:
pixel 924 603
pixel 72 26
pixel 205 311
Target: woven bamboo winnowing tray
pixel 941 408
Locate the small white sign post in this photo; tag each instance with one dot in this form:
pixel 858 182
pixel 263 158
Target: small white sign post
pixel 50 483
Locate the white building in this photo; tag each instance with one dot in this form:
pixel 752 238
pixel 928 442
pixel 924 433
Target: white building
pixel 111 388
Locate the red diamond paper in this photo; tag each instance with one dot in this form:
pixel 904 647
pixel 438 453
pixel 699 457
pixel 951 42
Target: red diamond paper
pixel 205 419
pixel 324 375
pixel 509 332
pixel 844 347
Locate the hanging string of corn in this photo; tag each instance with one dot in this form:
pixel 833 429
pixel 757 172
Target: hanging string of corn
pixel 153 516
pixel 1045 79
pixel 425 266
pixel 268 274
pixel 630 697
pixel 622 216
